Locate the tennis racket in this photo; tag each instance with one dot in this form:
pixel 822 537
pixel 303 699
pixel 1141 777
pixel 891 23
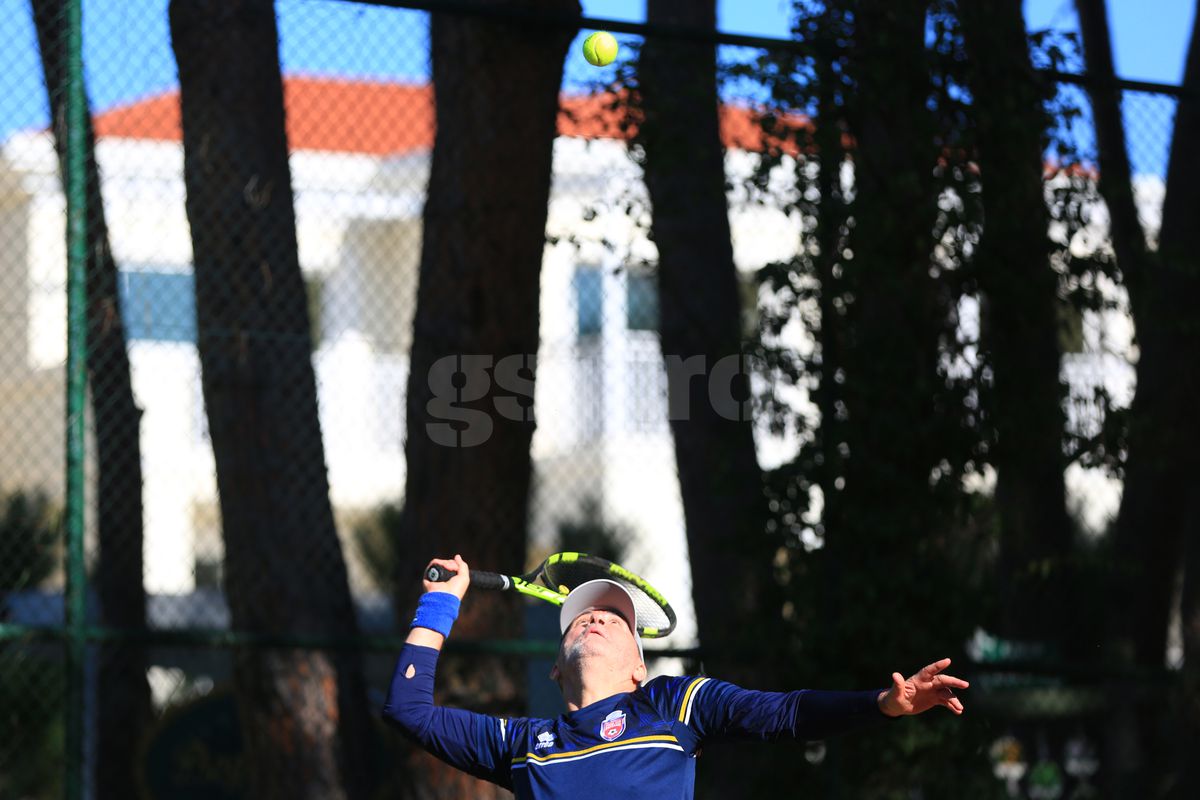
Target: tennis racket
pixel 562 572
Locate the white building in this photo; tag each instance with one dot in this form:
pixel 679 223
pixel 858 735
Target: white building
pixel 359 185
pixel 359 192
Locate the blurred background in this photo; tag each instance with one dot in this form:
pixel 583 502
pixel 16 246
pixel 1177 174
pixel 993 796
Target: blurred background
pixel 860 328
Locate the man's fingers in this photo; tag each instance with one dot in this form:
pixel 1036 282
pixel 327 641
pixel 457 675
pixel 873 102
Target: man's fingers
pixel 929 687
pixel 453 565
pixel 947 698
pixel 951 682
pixel 458 580
pixel 930 670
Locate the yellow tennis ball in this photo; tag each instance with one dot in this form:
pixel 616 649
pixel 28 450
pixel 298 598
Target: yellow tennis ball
pixel 600 48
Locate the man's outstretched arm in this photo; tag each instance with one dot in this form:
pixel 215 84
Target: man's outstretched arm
pixel 715 709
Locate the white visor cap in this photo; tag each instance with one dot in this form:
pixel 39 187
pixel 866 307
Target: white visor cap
pixel 600 593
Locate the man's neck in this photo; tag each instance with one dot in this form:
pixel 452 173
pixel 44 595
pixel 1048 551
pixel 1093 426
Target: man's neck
pixel 581 690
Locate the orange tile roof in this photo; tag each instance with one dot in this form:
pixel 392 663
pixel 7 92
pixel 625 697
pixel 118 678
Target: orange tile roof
pixel 322 114
pixel 354 116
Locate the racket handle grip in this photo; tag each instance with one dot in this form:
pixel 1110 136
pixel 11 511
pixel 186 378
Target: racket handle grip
pixel 479 578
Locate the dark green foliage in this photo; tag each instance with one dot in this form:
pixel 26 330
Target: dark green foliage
pixel 30 529
pixel 31 733
pixel 908 569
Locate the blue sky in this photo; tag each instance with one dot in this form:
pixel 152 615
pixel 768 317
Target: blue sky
pixel 128 55
pixel 1150 37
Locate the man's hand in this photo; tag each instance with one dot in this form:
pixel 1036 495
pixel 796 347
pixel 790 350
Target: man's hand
pixel 923 691
pixel 457 585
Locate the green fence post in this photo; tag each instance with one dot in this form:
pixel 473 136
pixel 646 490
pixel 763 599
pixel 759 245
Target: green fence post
pixel 76 387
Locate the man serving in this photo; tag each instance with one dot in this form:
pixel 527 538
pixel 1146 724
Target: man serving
pixel 622 736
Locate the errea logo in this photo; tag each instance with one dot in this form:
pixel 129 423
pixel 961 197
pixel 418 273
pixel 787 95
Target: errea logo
pixel 544 739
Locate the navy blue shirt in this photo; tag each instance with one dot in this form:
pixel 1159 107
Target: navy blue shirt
pixel 635 745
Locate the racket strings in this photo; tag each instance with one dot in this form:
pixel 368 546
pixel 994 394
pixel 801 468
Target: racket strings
pixel 569 574
pixel 650 614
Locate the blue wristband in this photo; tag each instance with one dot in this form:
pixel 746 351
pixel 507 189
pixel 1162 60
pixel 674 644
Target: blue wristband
pixel 437 612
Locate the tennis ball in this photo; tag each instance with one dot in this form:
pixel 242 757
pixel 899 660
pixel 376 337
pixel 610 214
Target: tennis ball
pixel 600 48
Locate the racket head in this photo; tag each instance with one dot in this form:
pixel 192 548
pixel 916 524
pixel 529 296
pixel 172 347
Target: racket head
pixel 562 572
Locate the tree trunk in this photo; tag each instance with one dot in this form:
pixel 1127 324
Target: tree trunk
pixel 1019 325
pixel 304 712
pixel 467 490
pixel 1116 177
pixel 1129 734
pixel 1188 742
pixel 1163 433
pixel 830 235
pixel 123 702
pixel 1157 519
pixel 720 481
pixel 877 523
pixel 700 310
pixel 468 485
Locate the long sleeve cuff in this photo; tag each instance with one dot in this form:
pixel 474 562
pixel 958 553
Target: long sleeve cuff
pixel 822 713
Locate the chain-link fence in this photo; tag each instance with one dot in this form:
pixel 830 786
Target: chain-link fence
pixel 252 311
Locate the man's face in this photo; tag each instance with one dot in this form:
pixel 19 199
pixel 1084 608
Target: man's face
pixel 599 633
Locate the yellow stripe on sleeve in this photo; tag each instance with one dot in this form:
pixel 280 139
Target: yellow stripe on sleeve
pixel 687 696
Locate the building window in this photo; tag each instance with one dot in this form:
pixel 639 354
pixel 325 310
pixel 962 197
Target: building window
pixel 648 395
pixel 589 385
pixel 314 291
pixel 589 300
pixel 161 306
pixel 158 306
pixel 641 302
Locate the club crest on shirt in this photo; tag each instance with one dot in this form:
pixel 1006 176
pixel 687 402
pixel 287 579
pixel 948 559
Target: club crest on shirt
pixel 612 726
pixel 544 739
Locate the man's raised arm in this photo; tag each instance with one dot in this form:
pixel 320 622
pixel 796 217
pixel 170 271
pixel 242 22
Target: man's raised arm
pixel 410 697
pixel 475 743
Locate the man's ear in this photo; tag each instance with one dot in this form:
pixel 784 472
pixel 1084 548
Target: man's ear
pixel 639 673
pixel 554 673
